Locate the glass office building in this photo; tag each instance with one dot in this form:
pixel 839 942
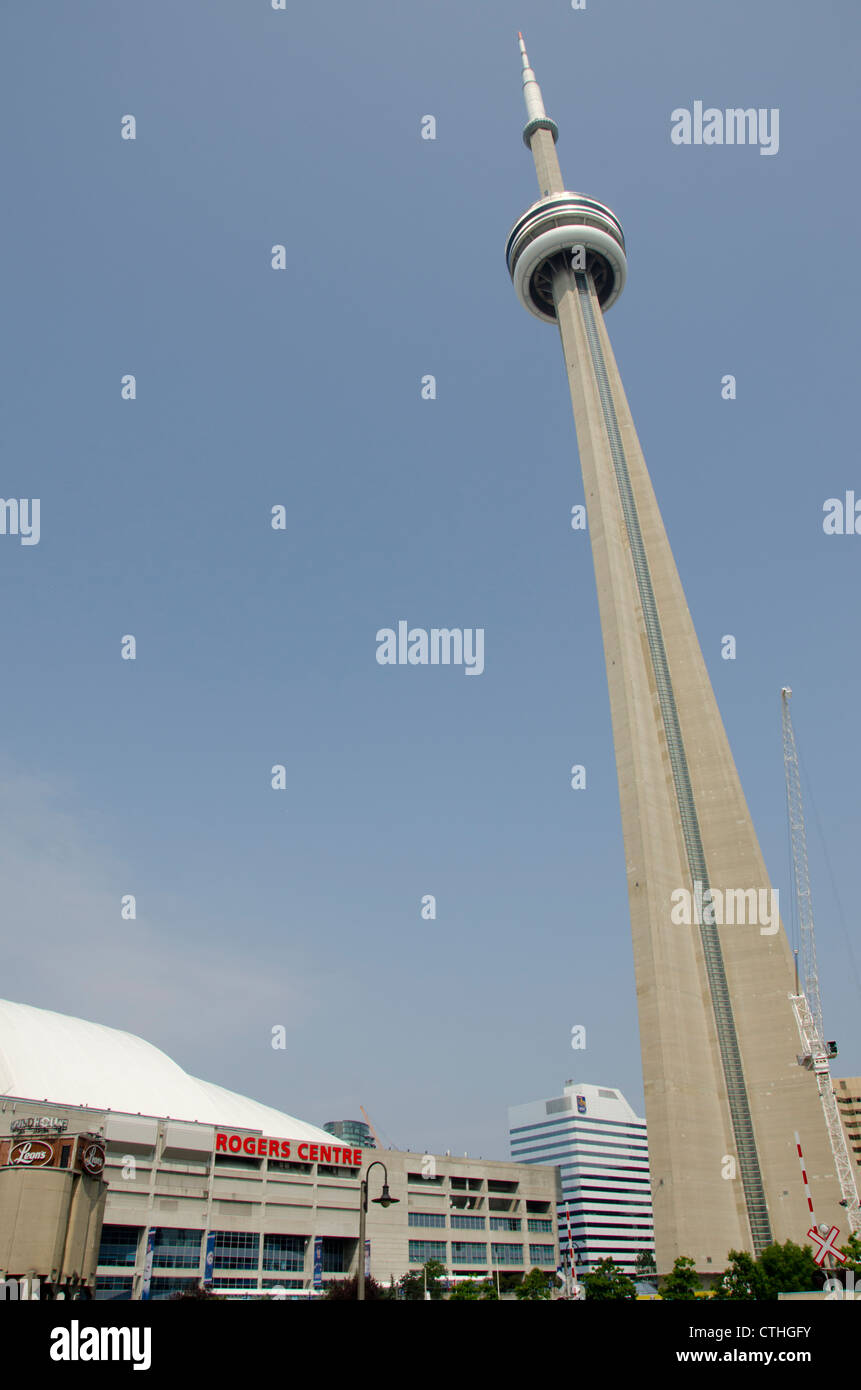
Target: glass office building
pixel 599 1145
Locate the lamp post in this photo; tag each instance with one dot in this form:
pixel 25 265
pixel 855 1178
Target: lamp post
pixel 384 1200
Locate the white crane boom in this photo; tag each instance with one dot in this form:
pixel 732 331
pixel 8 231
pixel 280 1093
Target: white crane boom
pixel 807 1003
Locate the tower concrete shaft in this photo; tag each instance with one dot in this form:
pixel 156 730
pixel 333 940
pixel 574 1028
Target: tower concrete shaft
pixel 724 1092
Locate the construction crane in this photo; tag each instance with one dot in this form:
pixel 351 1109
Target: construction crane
pixel 369 1123
pixel 816 1052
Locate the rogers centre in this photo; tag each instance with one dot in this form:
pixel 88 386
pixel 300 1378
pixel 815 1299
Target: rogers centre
pixel 263 1147
pixel 200 1185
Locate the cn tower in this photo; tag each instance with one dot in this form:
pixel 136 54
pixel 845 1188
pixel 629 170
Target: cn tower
pixel 724 1091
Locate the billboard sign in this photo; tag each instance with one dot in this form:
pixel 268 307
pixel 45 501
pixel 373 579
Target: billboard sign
pixel 210 1258
pixel 31 1153
pixel 93 1157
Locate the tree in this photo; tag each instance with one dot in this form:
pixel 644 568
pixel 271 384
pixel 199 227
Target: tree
pixel 199 1292
pixel 536 1284
pixel 482 1289
pixel 683 1282
pixel 468 1289
pixel 788 1268
pixel 412 1286
pixel 607 1281
pixel 742 1280
pixel 344 1290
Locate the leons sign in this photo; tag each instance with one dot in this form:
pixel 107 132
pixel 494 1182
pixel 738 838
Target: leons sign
pixel 93 1158
pixel 259 1146
pixel 31 1153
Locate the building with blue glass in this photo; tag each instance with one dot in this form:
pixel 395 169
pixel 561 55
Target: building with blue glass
pixel 598 1143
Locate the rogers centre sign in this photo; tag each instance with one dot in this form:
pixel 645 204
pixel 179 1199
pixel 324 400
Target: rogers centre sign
pixel 259 1146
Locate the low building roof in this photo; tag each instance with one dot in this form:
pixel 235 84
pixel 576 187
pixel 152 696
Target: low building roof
pixel 46 1056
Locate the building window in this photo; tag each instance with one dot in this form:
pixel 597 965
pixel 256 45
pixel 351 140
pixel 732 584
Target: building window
pixel 174 1248
pixel 236 1249
pixel 114 1286
pixel 505 1223
pixel 468 1223
pixel 423 1250
pixel 283 1284
pixel 164 1287
pixel 284 1252
pixel 277 1165
pixel 465 1252
pixel 425 1180
pixel 337 1254
pixel 427 1218
pixel 536 1224
pixel 119 1245
pixel 542 1255
pixel 65 1152
pixel 231 1282
pixel 506 1254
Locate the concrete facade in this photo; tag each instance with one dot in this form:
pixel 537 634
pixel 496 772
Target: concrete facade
pixel 724 1093
pixel 476 1216
pixel 51 1209
pixel 848 1093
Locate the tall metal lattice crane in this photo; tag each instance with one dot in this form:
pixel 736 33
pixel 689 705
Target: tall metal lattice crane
pixel 816 1053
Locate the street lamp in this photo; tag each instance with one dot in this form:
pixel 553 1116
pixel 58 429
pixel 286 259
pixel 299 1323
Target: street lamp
pixel 385 1200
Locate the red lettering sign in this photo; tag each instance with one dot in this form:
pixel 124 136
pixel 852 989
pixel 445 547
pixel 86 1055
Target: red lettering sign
pixel 261 1146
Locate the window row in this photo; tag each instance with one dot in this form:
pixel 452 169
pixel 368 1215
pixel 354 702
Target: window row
pixel 178 1248
pixel 464 1252
pixel 474 1223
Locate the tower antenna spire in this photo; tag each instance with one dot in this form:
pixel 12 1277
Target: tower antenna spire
pixel 531 90
pixel 536 117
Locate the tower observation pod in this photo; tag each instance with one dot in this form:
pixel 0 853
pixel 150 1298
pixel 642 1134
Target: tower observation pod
pixel 562 230
pixel 724 1093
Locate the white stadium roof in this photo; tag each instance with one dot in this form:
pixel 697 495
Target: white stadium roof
pixel 51 1057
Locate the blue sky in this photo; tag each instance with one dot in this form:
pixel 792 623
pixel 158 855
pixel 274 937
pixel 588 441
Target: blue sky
pixel 302 388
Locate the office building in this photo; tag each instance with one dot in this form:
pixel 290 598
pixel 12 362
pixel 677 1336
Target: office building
pixel 599 1145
